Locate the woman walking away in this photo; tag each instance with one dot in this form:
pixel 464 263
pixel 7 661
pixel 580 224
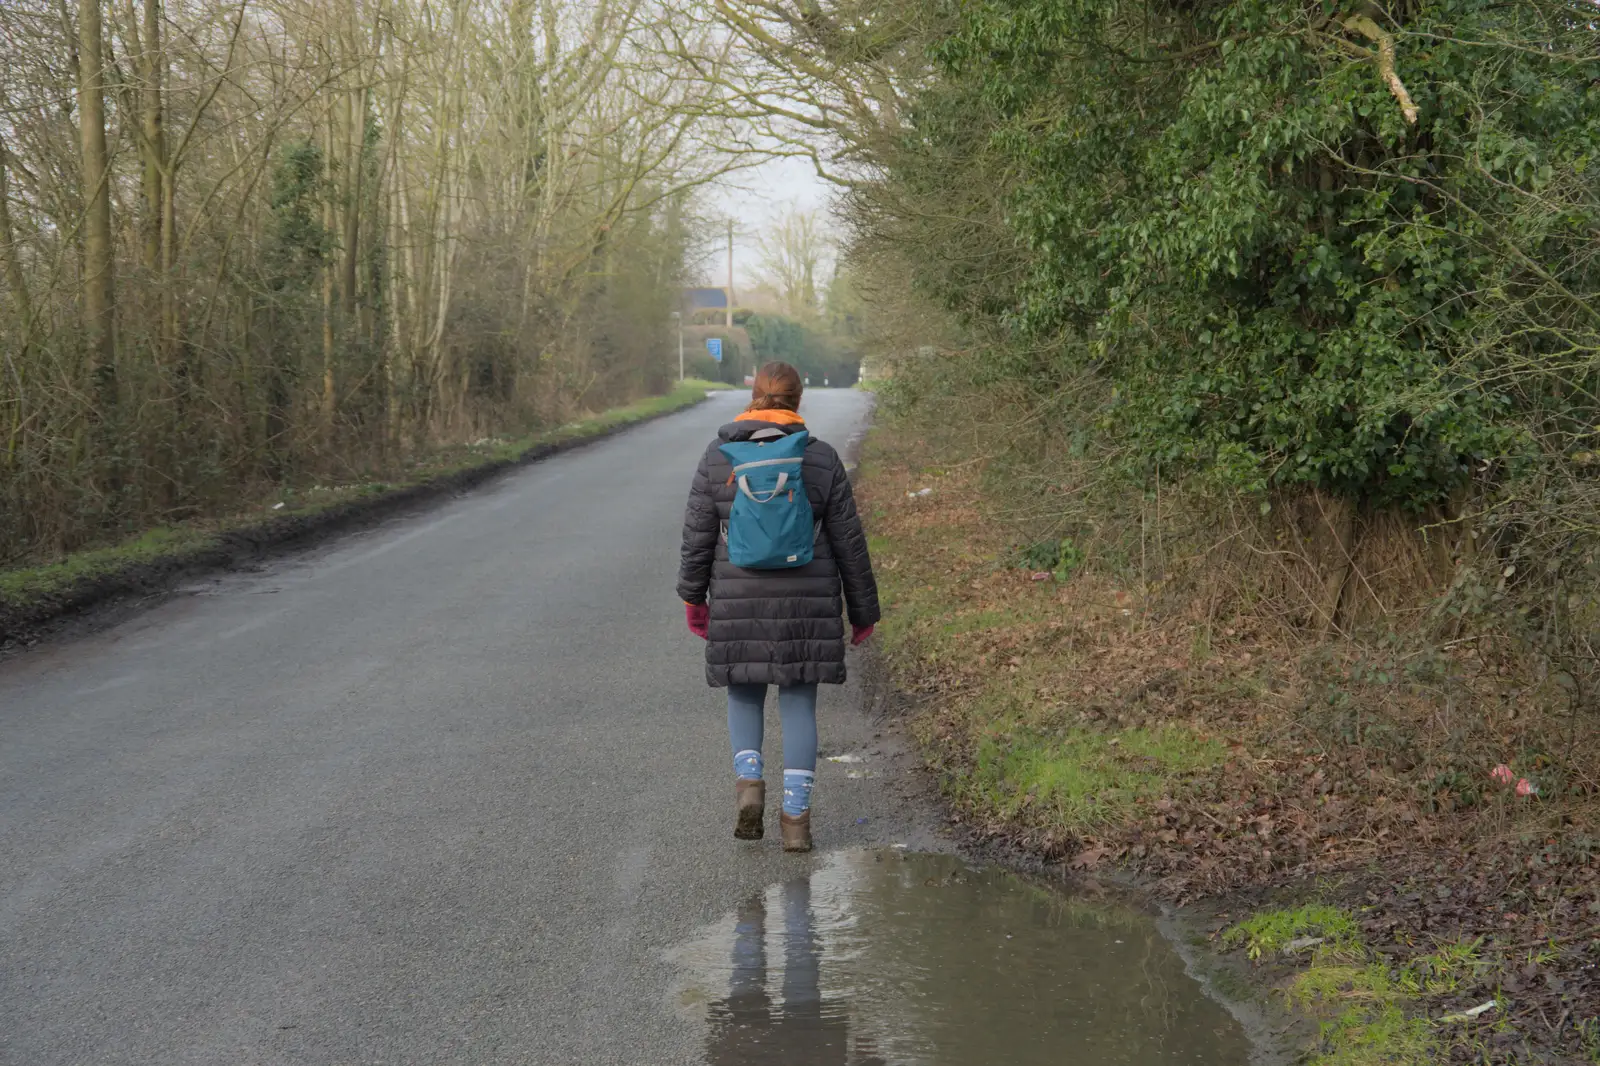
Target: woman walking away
pixel 771 539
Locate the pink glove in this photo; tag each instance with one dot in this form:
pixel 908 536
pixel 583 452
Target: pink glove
pixel 699 618
pixel 859 635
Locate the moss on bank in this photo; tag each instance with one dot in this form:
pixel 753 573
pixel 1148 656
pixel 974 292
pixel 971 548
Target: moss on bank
pixel 1372 1009
pixel 30 584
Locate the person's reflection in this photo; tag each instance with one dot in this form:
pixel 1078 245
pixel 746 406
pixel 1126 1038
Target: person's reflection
pixel 747 1029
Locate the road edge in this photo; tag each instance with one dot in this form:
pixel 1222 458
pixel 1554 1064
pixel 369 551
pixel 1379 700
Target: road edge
pixel 104 598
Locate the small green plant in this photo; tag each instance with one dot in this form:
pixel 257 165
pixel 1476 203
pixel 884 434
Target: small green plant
pixel 1443 971
pixel 1373 1035
pixel 1589 1036
pixel 1362 996
pixel 1451 789
pixel 1275 930
pixel 1060 558
pixel 1370 1025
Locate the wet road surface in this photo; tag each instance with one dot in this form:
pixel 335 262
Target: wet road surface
pixel 441 792
pixel 450 790
pixel 888 957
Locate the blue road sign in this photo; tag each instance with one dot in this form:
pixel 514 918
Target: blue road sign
pixel 714 346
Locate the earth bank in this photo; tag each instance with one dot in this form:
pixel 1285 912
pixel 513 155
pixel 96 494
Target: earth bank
pixel 1298 797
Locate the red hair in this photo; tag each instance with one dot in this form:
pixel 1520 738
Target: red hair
pixel 778 387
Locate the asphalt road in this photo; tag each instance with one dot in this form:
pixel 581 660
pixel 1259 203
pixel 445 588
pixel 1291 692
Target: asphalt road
pixel 445 791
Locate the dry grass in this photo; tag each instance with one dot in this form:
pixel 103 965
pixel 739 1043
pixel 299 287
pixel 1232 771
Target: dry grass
pixel 1336 747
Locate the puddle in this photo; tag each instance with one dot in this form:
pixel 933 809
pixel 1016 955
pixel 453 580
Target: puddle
pixel 895 959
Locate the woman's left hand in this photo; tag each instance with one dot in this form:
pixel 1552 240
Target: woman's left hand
pixel 859 635
pixel 698 615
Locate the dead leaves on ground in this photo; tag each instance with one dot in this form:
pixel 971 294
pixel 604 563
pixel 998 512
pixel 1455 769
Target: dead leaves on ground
pixel 1295 803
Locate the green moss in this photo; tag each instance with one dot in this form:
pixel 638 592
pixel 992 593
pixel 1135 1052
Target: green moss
pixel 1083 777
pixel 1369 1025
pixel 1364 999
pixel 1379 1035
pixel 33 584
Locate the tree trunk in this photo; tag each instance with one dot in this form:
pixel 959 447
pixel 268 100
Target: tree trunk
pixel 99 293
pixel 9 262
pixel 1333 543
pixel 353 130
pixel 152 147
pixel 20 301
pixel 329 220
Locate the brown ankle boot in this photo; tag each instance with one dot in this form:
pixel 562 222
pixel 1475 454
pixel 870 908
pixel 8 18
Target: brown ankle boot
pixel 796 831
pixel 750 799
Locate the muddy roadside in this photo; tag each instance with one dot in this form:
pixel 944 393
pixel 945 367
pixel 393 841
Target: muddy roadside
pixel 1372 906
pixel 1277 1033
pixel 97 589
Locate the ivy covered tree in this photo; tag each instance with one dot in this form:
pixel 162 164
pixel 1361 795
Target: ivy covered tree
pixel 1339 247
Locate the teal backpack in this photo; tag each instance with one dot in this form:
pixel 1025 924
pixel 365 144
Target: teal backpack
pixel 771 526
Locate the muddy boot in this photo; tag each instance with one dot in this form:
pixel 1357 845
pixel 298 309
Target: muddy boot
pixel 796 831
pixel 750 798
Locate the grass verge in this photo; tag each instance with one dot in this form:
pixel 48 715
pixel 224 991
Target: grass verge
pixel 32 596
pixel 1370 1008
pixel 1094 719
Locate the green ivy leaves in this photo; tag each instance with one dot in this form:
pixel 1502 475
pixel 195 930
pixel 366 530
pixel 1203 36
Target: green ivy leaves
pixel 1287 282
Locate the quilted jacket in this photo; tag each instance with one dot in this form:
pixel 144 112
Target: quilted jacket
pixel 777 627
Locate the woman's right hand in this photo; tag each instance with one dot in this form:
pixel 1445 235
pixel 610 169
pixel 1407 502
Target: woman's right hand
pixel 698 616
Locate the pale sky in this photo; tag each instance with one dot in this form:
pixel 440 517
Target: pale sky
pixel 754 197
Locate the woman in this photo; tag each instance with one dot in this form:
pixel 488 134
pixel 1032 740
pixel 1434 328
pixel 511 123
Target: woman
pixel 775 626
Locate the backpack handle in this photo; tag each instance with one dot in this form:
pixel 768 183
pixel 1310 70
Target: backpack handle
pixel 744 486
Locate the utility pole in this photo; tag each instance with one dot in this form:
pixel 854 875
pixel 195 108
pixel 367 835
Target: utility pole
pixel 730 272
pixel 679 316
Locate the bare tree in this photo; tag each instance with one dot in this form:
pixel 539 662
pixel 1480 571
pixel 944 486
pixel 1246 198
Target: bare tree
pixel 339 232
pixel 99 294
pixel 793 251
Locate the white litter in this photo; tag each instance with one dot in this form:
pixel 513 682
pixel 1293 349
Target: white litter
pixel 845 758
pixel 1301 943
pixel 277 507
pixel 1470 1013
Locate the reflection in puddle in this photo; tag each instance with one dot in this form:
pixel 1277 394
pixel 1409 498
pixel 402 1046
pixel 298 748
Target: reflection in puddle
pixel 889 959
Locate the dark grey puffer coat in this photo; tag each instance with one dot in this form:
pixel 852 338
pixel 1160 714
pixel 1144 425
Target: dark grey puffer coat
pixel 777 627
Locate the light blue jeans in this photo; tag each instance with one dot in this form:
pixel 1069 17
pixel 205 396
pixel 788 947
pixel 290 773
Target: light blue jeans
pixel 797 709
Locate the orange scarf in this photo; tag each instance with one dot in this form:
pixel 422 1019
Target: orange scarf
pixel 777 416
